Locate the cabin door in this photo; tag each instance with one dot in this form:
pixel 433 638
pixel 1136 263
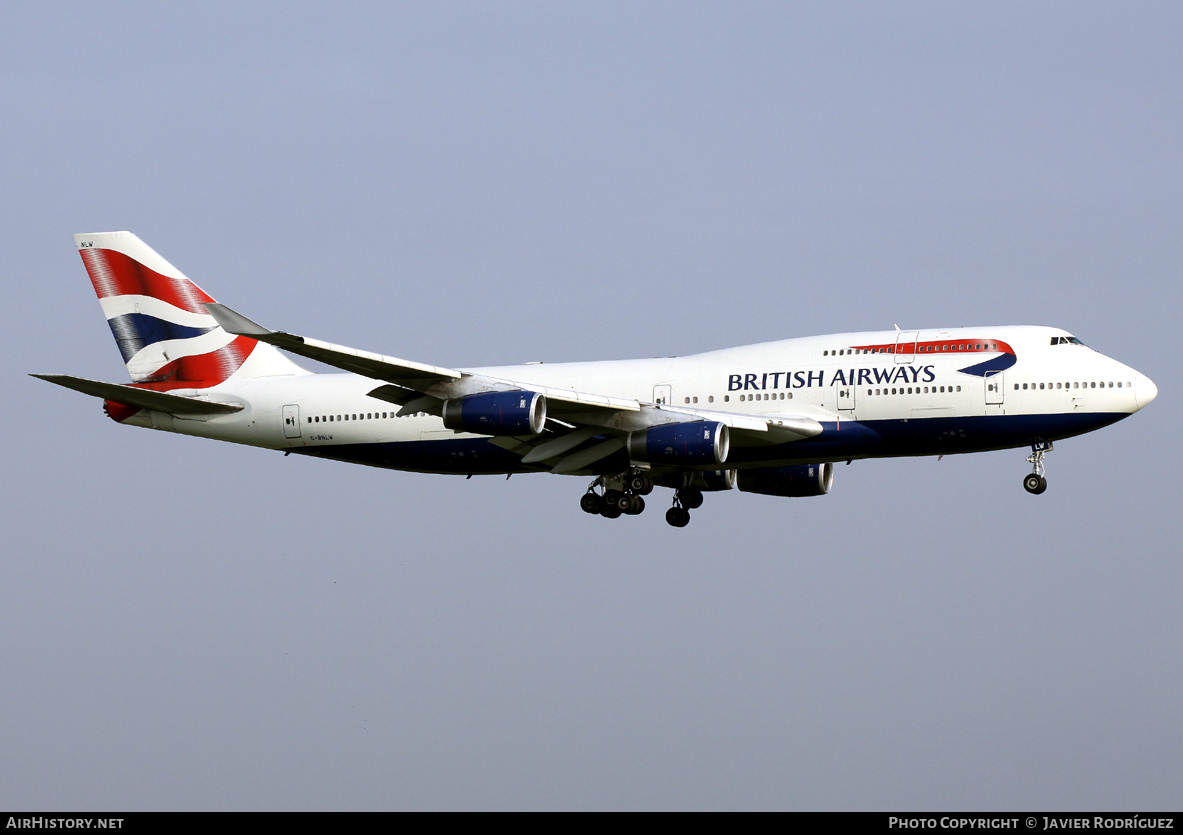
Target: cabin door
pixel 661 395
pixel 995 386
pixel 291 421
pixel 905 346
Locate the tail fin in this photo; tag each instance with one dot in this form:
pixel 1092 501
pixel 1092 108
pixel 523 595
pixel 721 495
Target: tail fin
pixel 167 337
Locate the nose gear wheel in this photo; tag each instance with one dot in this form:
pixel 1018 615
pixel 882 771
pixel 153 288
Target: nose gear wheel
pixel 1035 483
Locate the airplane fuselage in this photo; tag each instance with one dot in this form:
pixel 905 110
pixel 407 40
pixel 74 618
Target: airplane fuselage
pixel 874 395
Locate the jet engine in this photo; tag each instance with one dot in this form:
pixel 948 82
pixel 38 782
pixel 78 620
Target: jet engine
pixel 698 442
pixel 497 413
pixel 793 482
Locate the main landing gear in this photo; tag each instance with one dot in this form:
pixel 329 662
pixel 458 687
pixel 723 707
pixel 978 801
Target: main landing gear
pixel 1035 483
pixel 622 495
pixel 686 499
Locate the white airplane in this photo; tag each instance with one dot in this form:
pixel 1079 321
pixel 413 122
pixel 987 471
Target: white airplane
pixel 769 418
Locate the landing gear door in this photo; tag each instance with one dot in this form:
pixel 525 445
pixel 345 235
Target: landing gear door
pixel 291 421
pixel 661 395
pixel 995 386
pixel 905 346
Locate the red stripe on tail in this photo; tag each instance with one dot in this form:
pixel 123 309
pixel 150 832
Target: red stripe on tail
pixel 115 274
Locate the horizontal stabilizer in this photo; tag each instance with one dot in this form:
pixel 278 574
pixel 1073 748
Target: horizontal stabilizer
pixel 157 401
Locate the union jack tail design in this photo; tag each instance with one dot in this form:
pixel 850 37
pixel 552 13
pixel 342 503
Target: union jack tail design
pixel 158 318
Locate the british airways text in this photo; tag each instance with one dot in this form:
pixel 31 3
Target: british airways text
pixel 773 380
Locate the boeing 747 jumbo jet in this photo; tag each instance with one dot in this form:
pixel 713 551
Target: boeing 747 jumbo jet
pixel 769 418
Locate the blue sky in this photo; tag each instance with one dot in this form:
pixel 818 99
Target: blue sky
pixel 189 625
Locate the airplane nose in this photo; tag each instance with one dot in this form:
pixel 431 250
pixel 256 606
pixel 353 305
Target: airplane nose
pixel 1144 390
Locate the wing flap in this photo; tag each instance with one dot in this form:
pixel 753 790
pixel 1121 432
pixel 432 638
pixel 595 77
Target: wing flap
pixel 586 457
pixel 781 429
pixel 557 446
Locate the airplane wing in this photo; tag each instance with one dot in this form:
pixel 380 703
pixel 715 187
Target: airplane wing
pixel 418 381
pixel 574 418
pixel 398 371
pixel 158 401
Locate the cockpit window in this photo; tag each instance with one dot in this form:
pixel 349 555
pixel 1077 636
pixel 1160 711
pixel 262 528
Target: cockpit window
pixel 1066 340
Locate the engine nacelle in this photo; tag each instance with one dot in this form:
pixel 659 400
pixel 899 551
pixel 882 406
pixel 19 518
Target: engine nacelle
pixel 497 413
pixel 794 482
pixel 699 442
pixel 715 480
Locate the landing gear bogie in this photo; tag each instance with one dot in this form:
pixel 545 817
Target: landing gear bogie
pixel 690 498
pixel 639 483
pixel 620 495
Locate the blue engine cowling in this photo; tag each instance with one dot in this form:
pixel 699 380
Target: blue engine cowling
pixel 794 482
pixel 497 413
pixel 700 442
pixel 715 480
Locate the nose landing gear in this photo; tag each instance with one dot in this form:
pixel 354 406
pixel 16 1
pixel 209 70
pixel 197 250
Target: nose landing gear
pixel 1035 483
